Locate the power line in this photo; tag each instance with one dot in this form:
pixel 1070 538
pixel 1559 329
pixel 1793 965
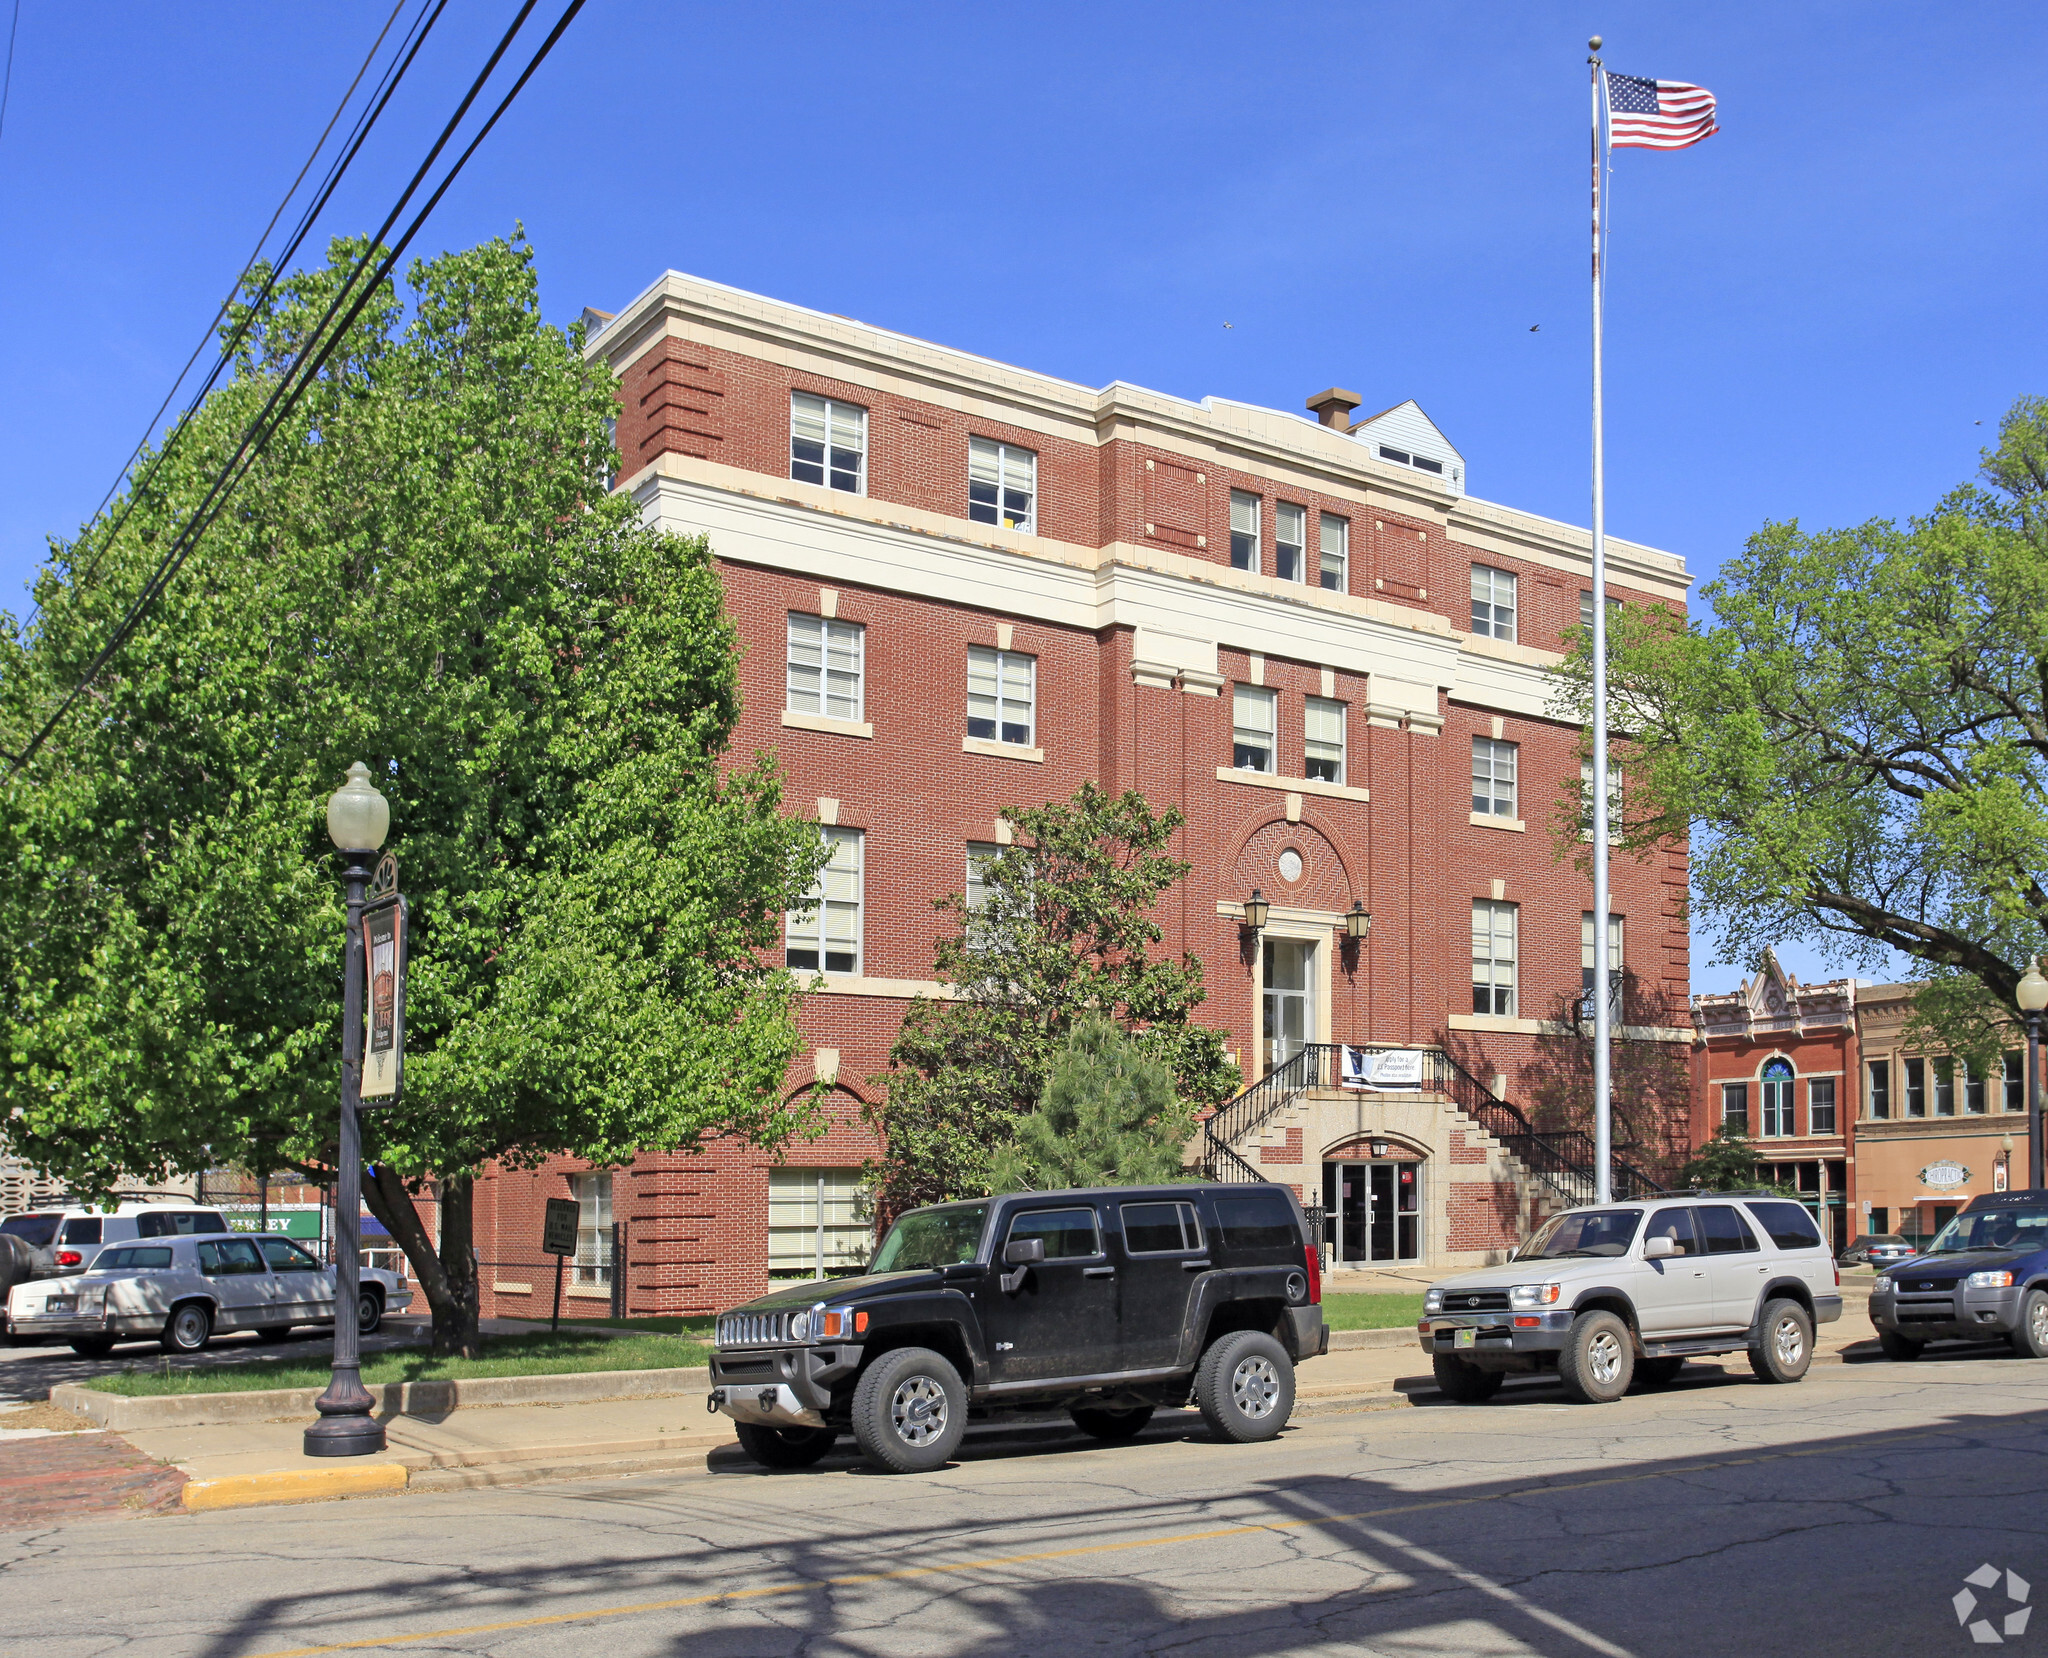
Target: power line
pixel 7 85
pixel 306 365
pixel 394 73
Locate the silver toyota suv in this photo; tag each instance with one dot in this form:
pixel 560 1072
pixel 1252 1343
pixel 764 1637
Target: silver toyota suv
pixel 1610 1295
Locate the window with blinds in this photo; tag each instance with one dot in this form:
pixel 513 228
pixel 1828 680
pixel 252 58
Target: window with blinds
pixel 825 666
pixel 828 443
pixel 815 1224
pixel 824 936
pixel 1254 718
pixel 1001 695
pixel 1322 741
pixel 1002 484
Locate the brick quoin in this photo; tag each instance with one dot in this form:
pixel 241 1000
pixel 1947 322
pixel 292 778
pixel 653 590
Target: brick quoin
pixel 1125 596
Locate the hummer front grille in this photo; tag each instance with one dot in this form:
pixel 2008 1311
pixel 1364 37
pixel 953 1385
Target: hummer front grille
pixel 754 1329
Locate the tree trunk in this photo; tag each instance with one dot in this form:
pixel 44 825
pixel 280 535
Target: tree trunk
pixel 448 1278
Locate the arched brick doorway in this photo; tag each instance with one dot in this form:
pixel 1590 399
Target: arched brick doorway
pixel 1372 1201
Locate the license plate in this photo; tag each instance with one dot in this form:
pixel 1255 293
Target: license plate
pixel 59 1304
pixel 1466 1338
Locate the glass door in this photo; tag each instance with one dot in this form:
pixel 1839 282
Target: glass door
pixel 1375 1212
pixel 1290 999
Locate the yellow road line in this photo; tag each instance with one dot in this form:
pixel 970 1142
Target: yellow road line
pixel 985 1563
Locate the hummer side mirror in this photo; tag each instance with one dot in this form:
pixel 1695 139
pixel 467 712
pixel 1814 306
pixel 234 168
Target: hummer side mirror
pixel 1659 1249
pixel 1019 1252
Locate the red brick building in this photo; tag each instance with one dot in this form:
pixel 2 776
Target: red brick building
pixel 962 586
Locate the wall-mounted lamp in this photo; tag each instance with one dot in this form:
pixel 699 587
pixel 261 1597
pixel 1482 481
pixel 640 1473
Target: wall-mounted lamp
pixel 1357 922
pixel 1256 910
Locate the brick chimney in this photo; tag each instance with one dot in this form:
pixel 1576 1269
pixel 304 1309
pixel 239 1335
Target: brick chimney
pixel 1333 407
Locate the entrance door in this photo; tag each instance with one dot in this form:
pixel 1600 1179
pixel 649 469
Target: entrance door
pixel 1290 966
pixel 1375 1210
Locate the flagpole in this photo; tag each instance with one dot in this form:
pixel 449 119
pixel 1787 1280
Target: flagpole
pixel 1603 1122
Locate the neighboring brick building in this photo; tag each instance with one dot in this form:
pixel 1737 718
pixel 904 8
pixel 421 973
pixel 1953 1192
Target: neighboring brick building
pixel 1877 1133
pixel 962 586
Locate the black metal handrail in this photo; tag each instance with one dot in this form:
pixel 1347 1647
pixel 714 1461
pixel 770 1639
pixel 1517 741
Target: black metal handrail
pixel 1562 1158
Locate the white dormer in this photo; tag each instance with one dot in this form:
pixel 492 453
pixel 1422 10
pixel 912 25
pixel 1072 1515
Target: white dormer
pixel 1405 436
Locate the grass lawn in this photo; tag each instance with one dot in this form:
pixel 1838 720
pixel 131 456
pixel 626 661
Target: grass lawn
pixel 533 1355
pixel 1355 1310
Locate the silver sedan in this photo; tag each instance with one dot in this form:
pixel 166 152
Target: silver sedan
pixel 180 1292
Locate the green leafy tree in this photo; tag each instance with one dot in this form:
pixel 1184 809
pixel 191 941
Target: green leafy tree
pixel 424 572
pixel 1065 931
pixel 1726 1163
pixel 1859 740
pixel 1108 1117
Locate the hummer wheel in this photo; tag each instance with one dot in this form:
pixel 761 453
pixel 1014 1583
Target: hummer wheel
pixel 909 1411
pixel 1245 1386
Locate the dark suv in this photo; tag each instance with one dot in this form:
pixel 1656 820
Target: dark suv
pixel 1984 1278
pixel 1107 1303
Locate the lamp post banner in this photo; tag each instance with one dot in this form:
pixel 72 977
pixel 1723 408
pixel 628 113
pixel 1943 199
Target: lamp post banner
pixel 384 944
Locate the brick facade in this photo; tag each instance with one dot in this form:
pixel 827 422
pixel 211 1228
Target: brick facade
pixel 1125 595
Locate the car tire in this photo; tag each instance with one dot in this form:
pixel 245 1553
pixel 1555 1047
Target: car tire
pixel 1462 1383
pixel 188 1329
pixel 1111 1426
pixel 909 1411
pixel 1899 1349
pixel 93 1347
pixel 1783 1351
pixel 369 1312
pixel 275 1333
pixel 1656 1373
pixel 2030 1336
pixel 784 1447
pixel 1598 1360
pixel 1245 1387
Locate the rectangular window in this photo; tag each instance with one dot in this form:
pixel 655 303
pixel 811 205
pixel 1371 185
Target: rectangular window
pixel 593 1193
pixel 1336 552
pixel 1068 1234
pixel 1493 602
pixel 1820 1105
pixel 1493 958
pixel 825 666
pixel 1916 1087
pixel 1244 530
pixel 1613 962
pixel 1160 1228
pixel 980 854
pixel 2016 1081
pixel 1002 484
pixel 1974 1102
pixel 1613 802
pixel 1323 740
pixel 1290 542
pixel 1735 1107
pixel 1254 718
pixel 828 443
pixel 1002 694
pixel 814 1223
pixel 824 935
pixel 1586 609
pixel 1493 776
pixel 1944 1087
pixel 1878 1089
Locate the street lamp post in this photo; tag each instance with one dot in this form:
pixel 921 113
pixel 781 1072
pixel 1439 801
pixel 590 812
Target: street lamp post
pixel 357 818
pixel 2032 996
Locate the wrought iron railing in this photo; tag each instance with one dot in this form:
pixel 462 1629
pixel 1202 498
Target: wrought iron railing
pixel 1562 1158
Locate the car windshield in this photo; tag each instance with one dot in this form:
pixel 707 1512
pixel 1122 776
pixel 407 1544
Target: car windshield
pixel 1993 1229
pixel 1588 1232
pixel 34 1230
pixel 932 1238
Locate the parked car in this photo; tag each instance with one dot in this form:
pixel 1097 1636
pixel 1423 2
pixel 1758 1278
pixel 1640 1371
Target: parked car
pixel 1983 1278
pixel 1874 1249
pixel 1107 1303
pixel 65 1240
pixel 182 1291
pixel 1606 1296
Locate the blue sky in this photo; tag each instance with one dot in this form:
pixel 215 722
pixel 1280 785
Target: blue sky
pixel 1809 313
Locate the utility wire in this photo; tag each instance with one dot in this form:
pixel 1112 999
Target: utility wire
pixel 300 373
pixel 7 85
pixel 394 73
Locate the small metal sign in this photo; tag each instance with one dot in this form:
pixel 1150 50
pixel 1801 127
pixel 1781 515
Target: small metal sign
pixel 384 947
pixel 1944 1176
pixel 558 1230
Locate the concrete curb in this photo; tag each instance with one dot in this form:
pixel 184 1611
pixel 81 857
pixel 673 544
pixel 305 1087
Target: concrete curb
pixel 428 1399
pixel 1349 1341
pixel 299 1485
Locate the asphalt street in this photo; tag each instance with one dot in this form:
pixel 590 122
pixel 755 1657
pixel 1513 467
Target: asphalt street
pixel 1842 1515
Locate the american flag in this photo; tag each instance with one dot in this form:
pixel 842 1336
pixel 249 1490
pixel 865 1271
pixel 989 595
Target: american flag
pixel 1657 115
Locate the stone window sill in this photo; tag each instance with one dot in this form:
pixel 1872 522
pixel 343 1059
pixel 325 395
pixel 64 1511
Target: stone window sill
pixel 1486 820
pixel 1292 785
pixel 826 723
pixel 1001 751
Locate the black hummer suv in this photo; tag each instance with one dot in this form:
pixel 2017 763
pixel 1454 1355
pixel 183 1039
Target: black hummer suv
pixel 1108 1303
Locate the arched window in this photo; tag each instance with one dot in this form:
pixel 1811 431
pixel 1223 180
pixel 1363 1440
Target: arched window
pixel 1777 1101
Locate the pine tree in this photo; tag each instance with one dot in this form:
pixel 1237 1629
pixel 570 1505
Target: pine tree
pixel 1108 1117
